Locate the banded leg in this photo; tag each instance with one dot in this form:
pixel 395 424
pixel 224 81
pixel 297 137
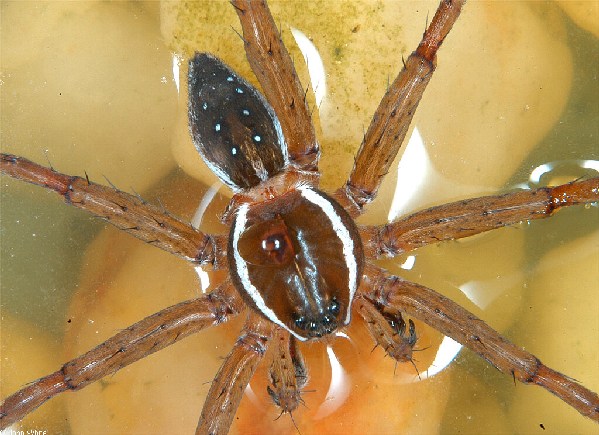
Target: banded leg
pixel 134 343
pixel 392 118
pixel 472 216
pixel 127 212
pixel 274 69
pixel 234 375
pixel 464 327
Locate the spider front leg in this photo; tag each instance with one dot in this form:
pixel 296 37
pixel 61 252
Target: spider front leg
pixel 464 327
pixel 234 375
pixel 132 344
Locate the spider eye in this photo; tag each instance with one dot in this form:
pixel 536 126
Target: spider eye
pixel 313 330
pixel 300 321
pixel 316 326
pixel 232 125
pixel 329 323
pixel 334 308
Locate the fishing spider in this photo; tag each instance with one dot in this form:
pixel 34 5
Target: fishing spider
pixel 383 325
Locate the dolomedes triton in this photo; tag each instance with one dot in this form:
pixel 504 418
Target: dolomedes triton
pixel 373 315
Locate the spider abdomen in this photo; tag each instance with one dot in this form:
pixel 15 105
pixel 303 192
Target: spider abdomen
pixel 232 125
pixel 297 259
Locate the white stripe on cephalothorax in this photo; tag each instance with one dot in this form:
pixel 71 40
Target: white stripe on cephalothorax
pixel 244 276
pixel 343 234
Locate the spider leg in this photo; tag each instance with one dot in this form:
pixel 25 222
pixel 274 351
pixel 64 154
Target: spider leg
pixel 392 118
pixel 458 323
pixel 392 340
pixel 472 216
pixel 234 375
pixel 134 343
pixel 127 212
pixel 288 373
pixel 274 69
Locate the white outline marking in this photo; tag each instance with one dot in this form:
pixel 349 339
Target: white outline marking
pixel 343 234
pixel 244 276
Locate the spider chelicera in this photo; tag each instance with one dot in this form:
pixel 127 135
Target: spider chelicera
pixel 111 178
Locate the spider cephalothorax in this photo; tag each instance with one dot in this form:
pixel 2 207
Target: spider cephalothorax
pixel 303 242
pixel 293 254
